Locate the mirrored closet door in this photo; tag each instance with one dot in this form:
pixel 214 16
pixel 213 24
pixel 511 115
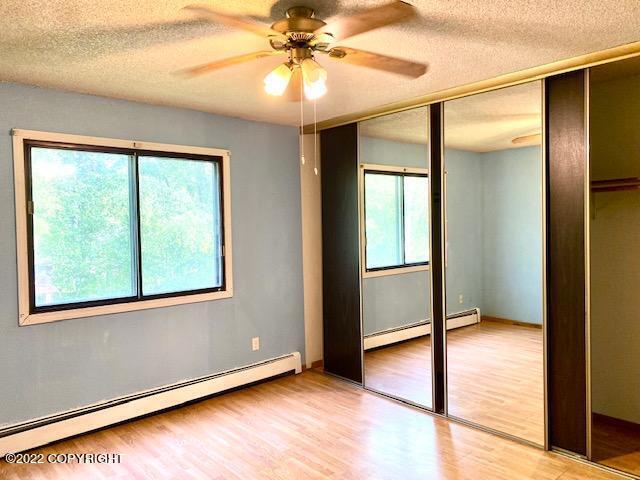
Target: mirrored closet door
pixel 395 276
pixel 493 164
pixel 614 122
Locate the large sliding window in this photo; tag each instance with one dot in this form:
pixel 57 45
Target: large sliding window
pixel 396 219
pixel 111 228
pixel 81 240
pixel 180 225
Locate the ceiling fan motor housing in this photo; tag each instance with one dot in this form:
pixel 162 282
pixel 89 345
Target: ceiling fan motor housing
pixel 298 19
pixel 298 28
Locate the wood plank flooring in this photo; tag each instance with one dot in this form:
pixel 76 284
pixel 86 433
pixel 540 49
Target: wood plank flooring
pixel 308 426
pixel 495 376
pixel 402 370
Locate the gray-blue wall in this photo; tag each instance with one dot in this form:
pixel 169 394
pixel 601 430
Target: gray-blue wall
pixel 395 300
pixel 389 152
pixel 512 234
pixel 494 214
pixel 53 367
pixel 464 230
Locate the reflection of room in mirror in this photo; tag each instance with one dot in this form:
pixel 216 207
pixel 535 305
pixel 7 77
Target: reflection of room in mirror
pixel 401 369
pixel 395 249
pixel 493 160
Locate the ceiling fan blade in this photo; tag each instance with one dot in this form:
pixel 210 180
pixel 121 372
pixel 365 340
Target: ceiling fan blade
pixel 294 89
pixel 528 139
pixel 237 21
pixel 378 62
pixel 227 62
pixel 369 19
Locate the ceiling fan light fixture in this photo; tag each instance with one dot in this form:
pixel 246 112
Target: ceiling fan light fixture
pixel 276 82
pixel 312 71
pixel 314 78
pixel 314 90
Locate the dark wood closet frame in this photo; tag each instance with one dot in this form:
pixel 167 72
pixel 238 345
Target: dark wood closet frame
pixel 437 231
pixel 566 117
pixel 341 282
pixel 566 293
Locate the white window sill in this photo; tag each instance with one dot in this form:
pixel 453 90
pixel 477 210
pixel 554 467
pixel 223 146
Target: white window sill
pixel 395 271
pixel 46 317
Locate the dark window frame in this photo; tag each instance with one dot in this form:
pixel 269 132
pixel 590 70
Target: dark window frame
pixel 134 183
pixel 403 175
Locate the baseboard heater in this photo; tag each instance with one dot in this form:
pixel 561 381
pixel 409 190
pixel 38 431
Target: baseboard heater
pixel 419 329
pixel 35 433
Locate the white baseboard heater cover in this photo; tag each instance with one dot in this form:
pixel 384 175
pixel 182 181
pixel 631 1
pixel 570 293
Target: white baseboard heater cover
pixel 415 330
pixel 28 435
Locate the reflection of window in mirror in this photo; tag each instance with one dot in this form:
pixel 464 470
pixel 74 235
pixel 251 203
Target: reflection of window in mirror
pixel 396 219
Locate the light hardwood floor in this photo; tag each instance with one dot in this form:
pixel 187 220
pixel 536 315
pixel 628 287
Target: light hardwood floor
pixel 308 426
pixel 402 370
pixel 495 376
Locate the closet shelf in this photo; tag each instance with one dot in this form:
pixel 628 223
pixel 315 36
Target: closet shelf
pixel 615 184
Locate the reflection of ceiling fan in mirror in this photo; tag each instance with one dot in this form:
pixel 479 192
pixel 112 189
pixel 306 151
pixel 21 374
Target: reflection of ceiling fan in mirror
pixel 526 140
pixel 300 36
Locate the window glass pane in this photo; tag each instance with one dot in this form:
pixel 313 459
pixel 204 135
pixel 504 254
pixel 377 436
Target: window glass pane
pixel 383 220
pixel 416 219
pixel 82 238
pixel 180 225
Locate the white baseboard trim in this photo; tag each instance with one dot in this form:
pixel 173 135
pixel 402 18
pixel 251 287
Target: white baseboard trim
pixel 388 337
pixel 380 339
pixel 43 431
pixel 463 319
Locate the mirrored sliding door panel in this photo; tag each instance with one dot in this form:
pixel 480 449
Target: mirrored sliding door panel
pixel 394 218
pixel 494 260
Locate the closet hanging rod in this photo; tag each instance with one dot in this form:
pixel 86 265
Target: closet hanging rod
pixel 615 184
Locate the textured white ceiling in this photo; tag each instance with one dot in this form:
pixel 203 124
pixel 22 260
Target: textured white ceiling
pixel 410 126
pixel 491 120
pixel 478 123
pixel 126 49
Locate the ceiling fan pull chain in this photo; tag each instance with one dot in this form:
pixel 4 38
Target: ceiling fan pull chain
pixel 315 139
pixel 301 124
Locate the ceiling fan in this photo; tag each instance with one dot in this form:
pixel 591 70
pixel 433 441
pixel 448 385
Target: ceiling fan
pixel 533 139
pixel 300 36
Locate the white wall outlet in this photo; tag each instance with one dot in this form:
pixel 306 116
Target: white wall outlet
pixel 461 299
pixel 255 343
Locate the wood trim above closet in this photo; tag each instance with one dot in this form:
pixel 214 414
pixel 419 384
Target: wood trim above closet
pixel 549 70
